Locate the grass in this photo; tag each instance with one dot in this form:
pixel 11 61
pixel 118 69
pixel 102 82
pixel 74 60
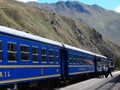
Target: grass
pixel 117 68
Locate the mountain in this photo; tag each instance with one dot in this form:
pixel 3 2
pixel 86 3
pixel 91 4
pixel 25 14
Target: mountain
pixel 49 25
pixel 104 21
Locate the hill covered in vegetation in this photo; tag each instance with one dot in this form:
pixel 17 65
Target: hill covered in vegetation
pixel 49 25
pixel 104 21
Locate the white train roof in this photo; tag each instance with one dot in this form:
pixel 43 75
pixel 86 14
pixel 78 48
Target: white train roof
pixel 98 55
pixel 27 35
pixel 84 51
pixel 78 49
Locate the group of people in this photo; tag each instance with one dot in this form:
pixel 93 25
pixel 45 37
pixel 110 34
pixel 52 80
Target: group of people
pixel 107 71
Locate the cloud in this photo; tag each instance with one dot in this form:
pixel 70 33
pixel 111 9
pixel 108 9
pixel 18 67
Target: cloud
pixel 27 0
pixel 117 9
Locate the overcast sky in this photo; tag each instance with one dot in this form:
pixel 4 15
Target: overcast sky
pixel 107 4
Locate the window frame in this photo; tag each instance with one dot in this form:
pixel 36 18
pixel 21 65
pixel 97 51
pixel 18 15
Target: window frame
pixel 11 51
pixel 43 55
pixel 35 54
pixel 74 59
pixel 78 59
pixel 81 60
pixel 26 52
pixel 57 56
pixel 51 56
pixel 70 59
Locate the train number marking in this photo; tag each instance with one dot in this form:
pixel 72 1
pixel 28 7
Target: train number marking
pixel 7 74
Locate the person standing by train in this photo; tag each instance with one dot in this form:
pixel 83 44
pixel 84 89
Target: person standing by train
pixel 109 71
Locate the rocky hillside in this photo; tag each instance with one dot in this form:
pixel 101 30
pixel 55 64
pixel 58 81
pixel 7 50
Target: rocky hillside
pixel 37 21
pixel 104 21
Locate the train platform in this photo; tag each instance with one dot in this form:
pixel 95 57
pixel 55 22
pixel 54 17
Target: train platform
pixel 101 83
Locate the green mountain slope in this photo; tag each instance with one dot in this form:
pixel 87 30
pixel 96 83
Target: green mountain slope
pixel 52 26
pixel 104 21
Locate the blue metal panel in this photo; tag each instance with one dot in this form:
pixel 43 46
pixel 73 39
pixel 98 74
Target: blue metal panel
pixel 15 74
pixel 76 68
pixel 79 69
pixel 8 75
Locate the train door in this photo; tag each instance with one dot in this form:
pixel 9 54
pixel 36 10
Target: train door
pixel 64 62
pixel 95 64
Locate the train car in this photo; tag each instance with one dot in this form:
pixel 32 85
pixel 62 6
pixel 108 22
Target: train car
pixel 25 57
pixel 30 59
pixel 77 61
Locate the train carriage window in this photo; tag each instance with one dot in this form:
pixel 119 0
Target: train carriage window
pixel 70 58
pixel 78 60
pixel 0 50
pixel 57 56
pixel 35 54
pixel 51 55
pixel 91 62
pixel 12 51
pixel 73 59
pixel 25 53
pixel 44 54
pixel 81 60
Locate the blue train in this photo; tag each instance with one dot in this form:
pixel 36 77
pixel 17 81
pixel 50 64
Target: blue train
pixel 26 58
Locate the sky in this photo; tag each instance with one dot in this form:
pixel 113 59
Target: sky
pixel 107 4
